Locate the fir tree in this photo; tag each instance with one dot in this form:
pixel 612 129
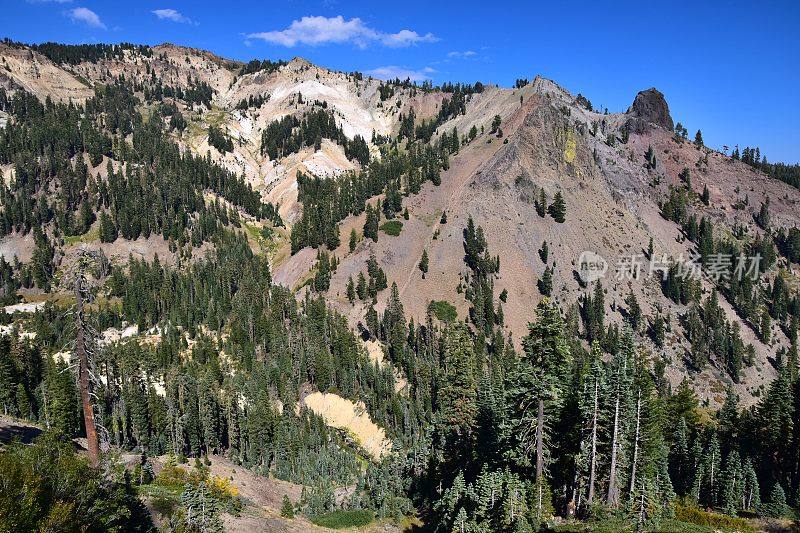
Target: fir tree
pixel 351 290
pixel 287 509
pixel 536 393
pixel 698 139
pixel 423 263
pixel 558 208
pixel 776 506
pixel 545 283
pixel 371 224
pixel 458 394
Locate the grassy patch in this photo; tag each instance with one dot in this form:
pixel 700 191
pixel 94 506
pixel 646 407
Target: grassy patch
pixel 216 116
pixel 154 490
pixel 265 239
pixel 443 310
pixel 93 235
pixel 341 519
pixel 392 227
pixel 699 517
pixel 618 525
pixel 432 219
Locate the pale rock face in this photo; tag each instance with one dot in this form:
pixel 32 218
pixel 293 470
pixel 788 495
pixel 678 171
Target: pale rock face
pixel 351 417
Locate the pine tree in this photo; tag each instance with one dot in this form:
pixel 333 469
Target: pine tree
pixel 545 283
pixel 108 231
pixel 763 218
pixel 650 157
pixel 776 504
pixel 775 416
pixel 729 421
pixel 543 252
pixel 657 331
pixel 42 260
pixel 634 311
pixel 681 465
pixel 698 139
pixel 371 223
pixel 536 392
pixel 496 121
pixel 202 509
pixel 765 326
pixel 619 380
pixel 712 465
pixel 423 263
pixel 287 509
pixel 732 484
pixel 361 287
pixel 7 383
pixel 458 394
pixel 751 495
pixel 351 290
pixel 706 196
pixel 594 385
pixel 353 239
pixel 558 208
pixel 541 203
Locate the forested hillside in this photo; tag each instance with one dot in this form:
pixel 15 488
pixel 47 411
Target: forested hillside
pixel 181 276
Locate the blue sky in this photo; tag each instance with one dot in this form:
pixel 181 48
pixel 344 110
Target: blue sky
pixel 730 68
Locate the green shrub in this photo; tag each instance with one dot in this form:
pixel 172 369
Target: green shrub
pixel 340 519
pixel 287 509
pixel 392 227
pixel 164 505
pixel 443 310
pixel 46 486
pixel 699 517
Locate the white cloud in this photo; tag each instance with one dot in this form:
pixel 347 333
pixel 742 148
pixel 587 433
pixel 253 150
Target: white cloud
pixel 405 38
pixel 391 72
pixel 87 16
pixel 464 54
pixel 173 15
pixel 319 30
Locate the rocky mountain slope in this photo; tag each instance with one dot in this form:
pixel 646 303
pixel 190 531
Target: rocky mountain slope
pixel 550 141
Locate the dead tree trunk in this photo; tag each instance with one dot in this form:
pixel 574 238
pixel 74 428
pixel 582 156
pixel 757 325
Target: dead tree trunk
pixel 539 436
pixel 636 442
pixel 612 497
pixel 539 452
pixel 92 442
pixel 593 459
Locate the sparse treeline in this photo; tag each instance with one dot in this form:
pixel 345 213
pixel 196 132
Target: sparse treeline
pixel 327 201
pixel 261 66
pixel 740 265
pixel 401 170
pixel 289 134
pixel 149 186
pixel 782 171
pixel 74 54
